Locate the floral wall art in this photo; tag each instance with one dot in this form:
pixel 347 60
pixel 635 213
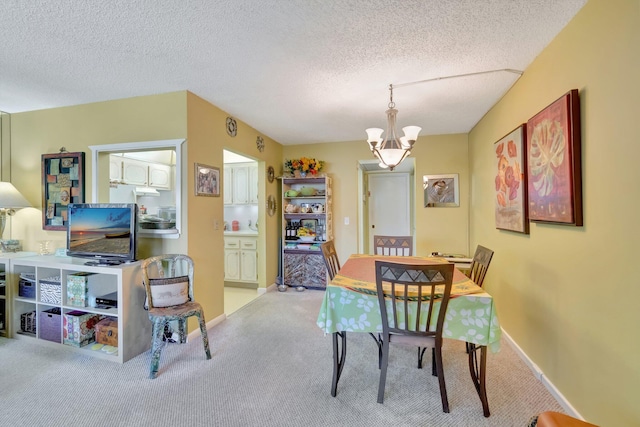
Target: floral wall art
pixel 511 194
pixel 553 162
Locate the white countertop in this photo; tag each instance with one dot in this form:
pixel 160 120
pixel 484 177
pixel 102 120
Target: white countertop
pixel 241 233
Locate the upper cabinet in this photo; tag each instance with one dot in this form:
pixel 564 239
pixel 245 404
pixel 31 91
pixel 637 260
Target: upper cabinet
pixel 160 176
pixel 124 170
pixel 134 172
pixel 240 183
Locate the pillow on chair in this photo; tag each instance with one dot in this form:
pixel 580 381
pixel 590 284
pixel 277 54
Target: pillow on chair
pixel 169 291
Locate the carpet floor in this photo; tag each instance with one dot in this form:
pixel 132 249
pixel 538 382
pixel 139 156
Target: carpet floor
pixel 271 366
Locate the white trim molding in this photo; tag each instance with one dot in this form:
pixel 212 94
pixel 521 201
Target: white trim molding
pixel 537 372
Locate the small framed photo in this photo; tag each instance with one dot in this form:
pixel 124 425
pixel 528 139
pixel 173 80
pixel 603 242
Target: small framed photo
pixel 207 180
pixel 441 191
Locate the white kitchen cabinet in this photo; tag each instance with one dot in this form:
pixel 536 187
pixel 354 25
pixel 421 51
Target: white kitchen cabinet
pixel 253 183
pixel 160 176
pixel 240 259
pixel 227 187
pixel 115 169
pixel 240 183
pixel 124 170
pixel 134 172
pixel 134 327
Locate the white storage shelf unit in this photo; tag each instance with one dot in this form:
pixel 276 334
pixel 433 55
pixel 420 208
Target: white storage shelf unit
pixel 134 327
pixel 6 288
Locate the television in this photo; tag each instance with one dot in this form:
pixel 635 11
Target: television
pixel 105 232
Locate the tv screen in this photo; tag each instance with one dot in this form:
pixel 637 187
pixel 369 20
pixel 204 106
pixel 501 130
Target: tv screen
pixel 104 231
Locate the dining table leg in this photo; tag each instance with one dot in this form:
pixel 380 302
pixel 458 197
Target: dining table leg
pixel 339 354
pixel 478 368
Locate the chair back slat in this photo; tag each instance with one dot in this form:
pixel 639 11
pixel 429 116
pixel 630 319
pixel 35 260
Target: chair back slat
pixel 393 245
pixel 407 285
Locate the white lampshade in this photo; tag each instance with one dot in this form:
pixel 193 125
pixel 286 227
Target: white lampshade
pixel 411 132
pixel 374 134
pixel 10 197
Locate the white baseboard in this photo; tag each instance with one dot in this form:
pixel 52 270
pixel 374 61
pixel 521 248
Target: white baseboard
pixel 537 372
pixel 195 334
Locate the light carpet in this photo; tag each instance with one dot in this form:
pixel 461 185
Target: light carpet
pixel 271 366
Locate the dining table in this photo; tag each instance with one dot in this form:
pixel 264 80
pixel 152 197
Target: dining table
pixel 350 304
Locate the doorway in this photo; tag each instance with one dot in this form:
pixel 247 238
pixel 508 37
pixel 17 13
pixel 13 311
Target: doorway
pixel 387 203
pixel 241 230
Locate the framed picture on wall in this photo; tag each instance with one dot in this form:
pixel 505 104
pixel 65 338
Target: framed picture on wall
pixel 207 180
pixel 441 190
pixel 554 173
pixel 62 183
pixel 510 182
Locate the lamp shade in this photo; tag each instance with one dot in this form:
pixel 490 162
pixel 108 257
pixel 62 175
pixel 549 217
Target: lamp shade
pixel 10 197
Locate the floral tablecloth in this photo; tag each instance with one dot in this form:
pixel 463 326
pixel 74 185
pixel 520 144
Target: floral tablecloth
pixel 350 303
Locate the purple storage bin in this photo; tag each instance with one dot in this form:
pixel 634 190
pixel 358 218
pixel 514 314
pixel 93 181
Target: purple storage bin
pixel 50 327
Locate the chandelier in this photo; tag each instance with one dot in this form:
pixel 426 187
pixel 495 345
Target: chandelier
pixel 391 150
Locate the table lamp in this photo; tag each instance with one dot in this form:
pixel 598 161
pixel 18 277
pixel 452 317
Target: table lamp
pixel 10 200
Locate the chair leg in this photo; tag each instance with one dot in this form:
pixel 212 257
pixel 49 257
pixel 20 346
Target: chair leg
pixel 443 386
pixel 383 369
pixel 205 336
pixel 433 362
pixel 182 330
pixel 156 346
pixel 378 341
pixel 420 356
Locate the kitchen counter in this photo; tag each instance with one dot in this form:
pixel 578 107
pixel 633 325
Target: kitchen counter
pixel 241 233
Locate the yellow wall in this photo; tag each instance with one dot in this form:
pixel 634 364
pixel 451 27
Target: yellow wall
pixel 437 229
pixel 207 137
pixel 568 295
pixel 76 128
pixel 178 115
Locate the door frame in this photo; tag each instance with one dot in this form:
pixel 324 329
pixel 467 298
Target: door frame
pixel 366 167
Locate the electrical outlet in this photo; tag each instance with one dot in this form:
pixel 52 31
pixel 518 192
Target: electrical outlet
pixel 216 224
pixel 346 220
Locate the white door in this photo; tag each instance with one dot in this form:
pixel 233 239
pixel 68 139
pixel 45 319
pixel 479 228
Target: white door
pixel 389 205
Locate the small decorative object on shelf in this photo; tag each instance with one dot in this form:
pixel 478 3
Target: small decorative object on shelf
pixel 299 168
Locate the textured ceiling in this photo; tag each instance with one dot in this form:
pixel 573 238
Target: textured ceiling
pixel 299 71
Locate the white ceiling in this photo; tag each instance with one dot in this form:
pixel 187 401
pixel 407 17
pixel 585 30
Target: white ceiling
pixel 298 71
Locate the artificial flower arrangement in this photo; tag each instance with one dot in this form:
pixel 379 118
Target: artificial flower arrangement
pixel 304 165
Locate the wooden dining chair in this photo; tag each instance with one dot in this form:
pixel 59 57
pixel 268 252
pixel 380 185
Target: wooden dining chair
pixel 330 258
pixel 478 269
pixel 393 245
pixel 480 264
pixel 413 301
pixel 168 282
